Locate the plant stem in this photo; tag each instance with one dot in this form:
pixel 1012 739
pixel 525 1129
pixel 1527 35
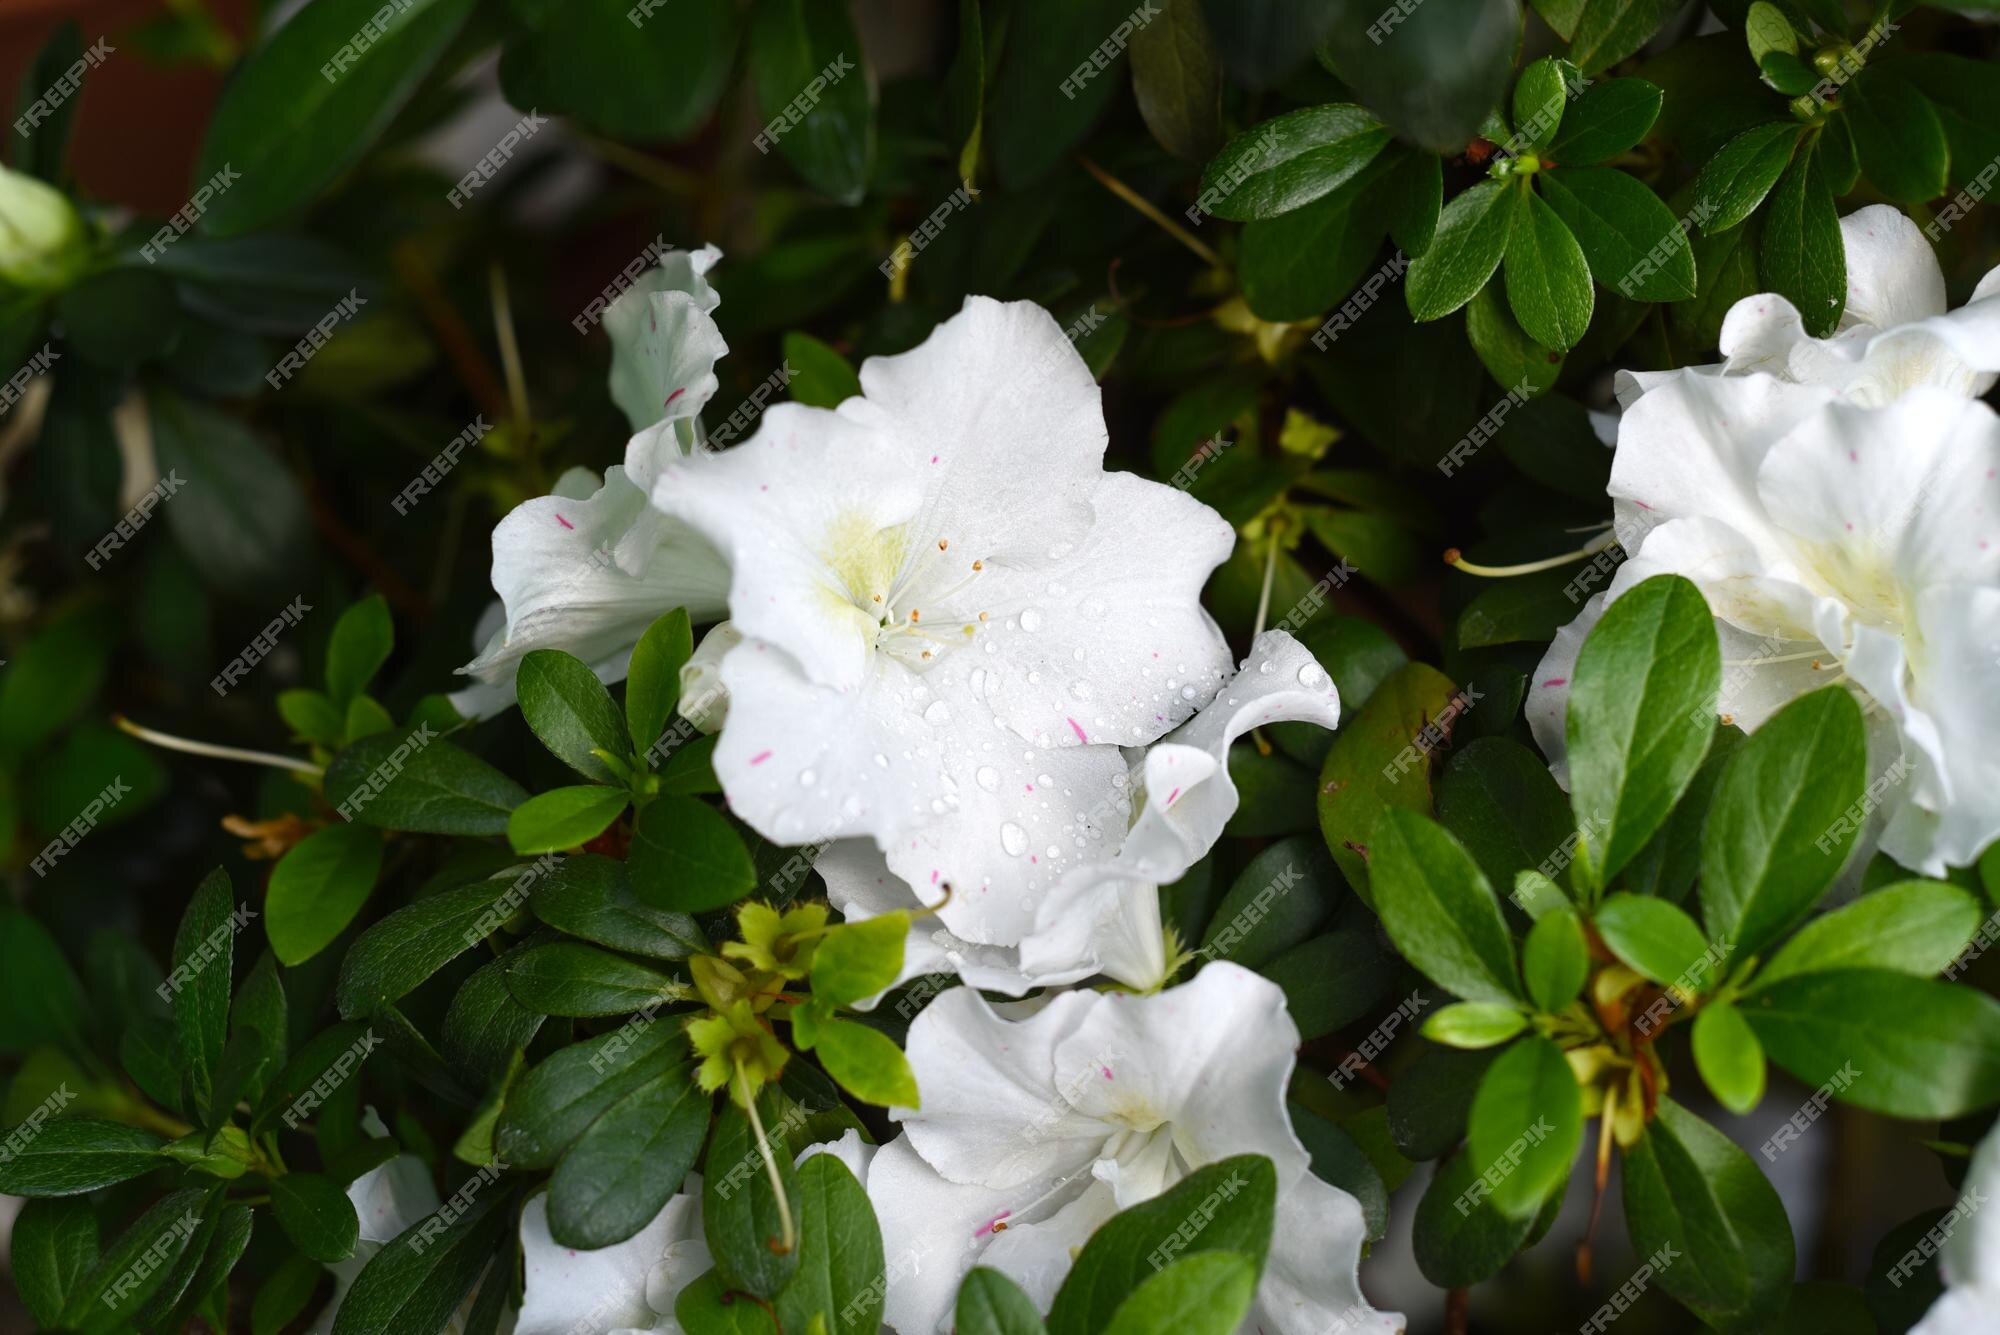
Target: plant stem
pixel 1147 208
pixel 790 1239
pixel 171 743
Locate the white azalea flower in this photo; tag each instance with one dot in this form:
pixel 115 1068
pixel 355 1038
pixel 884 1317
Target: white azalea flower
pixel 1834 542
pixel 1104 917
pixel 1034 1132
pixel 589 567
pixel 1969 1260
pixel 631 1286
pixel 953 616
pixel 1894 333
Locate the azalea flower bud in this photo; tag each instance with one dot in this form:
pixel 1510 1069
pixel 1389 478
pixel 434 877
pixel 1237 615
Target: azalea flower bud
pixel 41 236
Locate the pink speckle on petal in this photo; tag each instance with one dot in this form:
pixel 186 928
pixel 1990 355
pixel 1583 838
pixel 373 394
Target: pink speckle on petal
pixel 1033 858
pixel 1853 458
pixel 1850 526
pixel 987 1227
pixel 1077 728
pixel 1171 796
pixel 1106 1070
pixel 564 522
pixel 760 757
pixel 934 458
pixel 1029 786
pixel 1556 681
pixel 677 393
pixel 1642 505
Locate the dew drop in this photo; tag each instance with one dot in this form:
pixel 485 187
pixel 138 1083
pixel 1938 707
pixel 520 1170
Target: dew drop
pixel 881 761
pixel 1031 620
pixel 1014 839
pixel 989 778
pixel 1313 677
pixel 1265 667
pixel 1187 692
pixel 807 778
pixel 938 714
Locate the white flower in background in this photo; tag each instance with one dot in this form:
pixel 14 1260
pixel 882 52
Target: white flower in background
pixel 1834 543
pixel 42 242
pixel 631 1286
pixel 588 568
pixel 953 617
pixel 1034 1132
pixel 1104 917
pixel 1969 1255
pixel 1894 333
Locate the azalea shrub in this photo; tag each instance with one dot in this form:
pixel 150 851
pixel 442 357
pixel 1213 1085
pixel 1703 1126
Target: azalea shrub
pixel 1251 666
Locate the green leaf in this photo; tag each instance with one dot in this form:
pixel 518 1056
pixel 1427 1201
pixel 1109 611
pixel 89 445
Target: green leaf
pixel 1656 939
pixel 1525 1125
pixel 1908 1047
pixel 866 1062
pixel 1607 31
pixel 1504 348
pixel 1331 980
pixel 1339 1157
pixel 630 1161
pixel 239 515
pixel 1206 1294
pixel 821 378
pixel 1474 1024
pixel 1967 102
pixel 117 317
pixel 685 856
pixel 793 42
pixel 1766 28
pixel 316 1215
pixel 1439 909
pixel 1540 95
pixel 1804 258
pixel 573 979
pixel 75 1154
pixel 740 1214
pixel 1729 1057
pixel 1047 91
pixel 1608 119
pixel 136 1264
pixel 204 954
pixel 1430 1097
pixel 312 101
pixel 318 887
pixel 226 1245
pixel 1290 161
pixel 1280 898
pixel 396 954
pixel 58 672
pixel 1300 263
pixel 1548 281
pixel 1913 927
pixel 1555 960
pixel 1432 71
pixel 45 134
pixel 989 1303
pixel 1177 81
pixel 1459 1236
pixel 1784 817
pixel 55 1245
pixel 41 1000
pixel 569 709
pixel 1688 1188
pixel 653 680
pixel 588 59
pixel 1472 235
pixel 1665 868
pixel 413 780
pixel 1138 1241
pixel 564 817
pixel 1735 181
pixel 1897 135
pixel 419 1280
pixel 859 959
pixel 360 645
pixel 313 716
pixel 1641 712
pixel 1365 771
pixel 591 897
pixel 840 1286
pixel 485 1026
pixel 554 1103
pixel 1635 245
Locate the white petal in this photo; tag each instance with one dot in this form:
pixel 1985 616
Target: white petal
pixel 850 1149
pixel 387 1200
pixel 1892 276
pixel 933 1231
pixel 1693 447
pixel 1971 1252
pixel 1547 707
pixel 1211 1057
pixel 567 1291
pixel 554 570
pixel 704 699
pixel 663 340
pixel 814 518
pixel 1124 607
pixel 1762 332
pixel 999 415
pixel 992 1113
pixel 1748 582
pixel 1036 1253
pixel 1961 1311
pixel 1951 731
pixel 1310 1284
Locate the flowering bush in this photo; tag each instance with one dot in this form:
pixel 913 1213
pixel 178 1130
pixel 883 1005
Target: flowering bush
pixel 986 817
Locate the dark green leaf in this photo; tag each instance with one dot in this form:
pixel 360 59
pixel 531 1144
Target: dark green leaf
pixel 1289 162
pixel 1439 908
pixel 1459 1236
pixel 591 897
pixel 569 709
pixel 840 1282
pixel 1540 95
pixel 553 1104
pixel 1635 245
pixel 822 378
pixel 1608 119
pixel 1784 817
pixel 686 857
pixel 239 514
pixel 1735 181
pixel 316 1215
pixel 564 817
pixel 792 43
pixel 1804 258
pixel 1331 980
pixel 1897 135
pixel 318 887
pixel 1285 894
pixel 1430 1097
pixel 1177 82
pixel 1472 235
pixel 1049 89
pixel 1367 771
pixel 1432 71
pixel 591 61
pixel 55 1245
pixel 137 1264
pixel 571 978
pixel 417 1281
pixel 740 1214
pixel 361 642
pixel 1607 31
pixel 1208 1293
pixel 75 1154
pixel 204 953
pixel 630 1161
pixel 1497 798
pixel 653 682
pixel 40 998
pixel 391 958
pixel 413 780
pixel 1548 281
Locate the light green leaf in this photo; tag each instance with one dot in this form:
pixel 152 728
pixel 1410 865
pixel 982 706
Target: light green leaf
pixel 1525 1125
pixel 1729 1057
pixel 1548 280
pixel 1439 909
pixel 1472 235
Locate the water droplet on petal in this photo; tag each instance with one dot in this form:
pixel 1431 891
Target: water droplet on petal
pixel 1265 667
pixel 1014 839
pixel 989 778
pixel 807 778
pixel 1313 677
pixel 1187 692
pixel 1031 620
pixel 938 714
pixel 881 761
